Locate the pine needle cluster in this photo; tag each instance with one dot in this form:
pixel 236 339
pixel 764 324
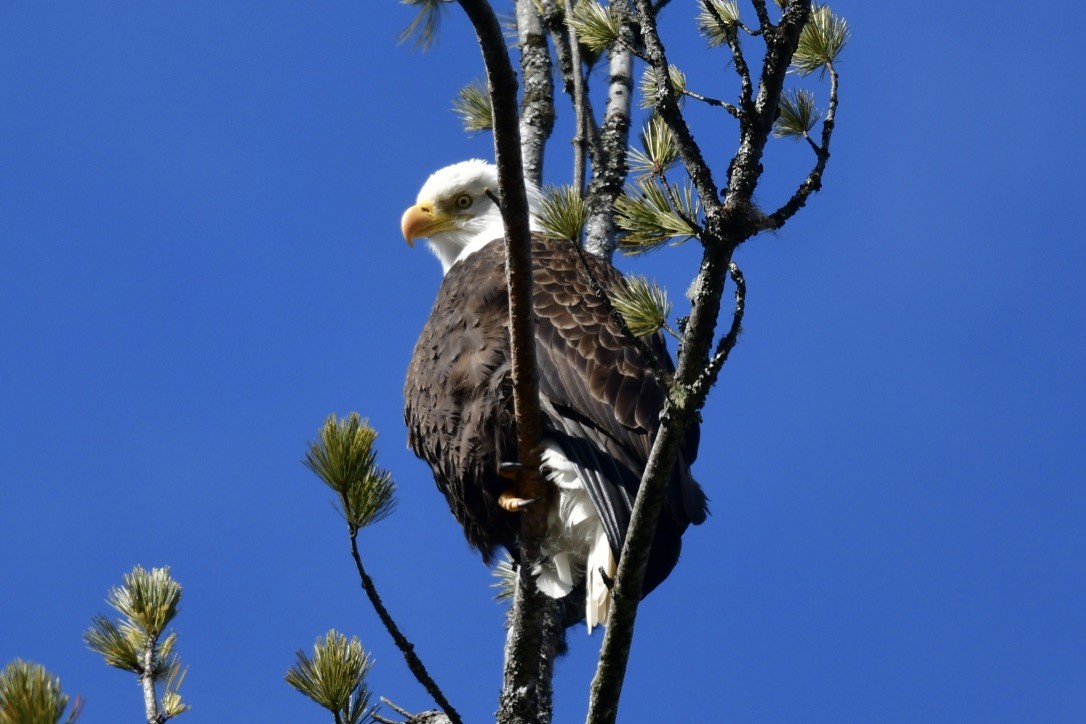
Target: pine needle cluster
pixel 424 26
pixel 597 27
pixel 29 694
pixel 473 106
pixel 798 114
pixel 562 213
pixel 643 304
pixel 148 602
pixel 652 213
pixel 345 460
pixel 822 39
pixel 647 85
pixel 660 150
pixel 717 20
pixel 335 677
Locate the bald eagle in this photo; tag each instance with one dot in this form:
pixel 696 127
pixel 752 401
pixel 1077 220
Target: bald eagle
pixel 599 399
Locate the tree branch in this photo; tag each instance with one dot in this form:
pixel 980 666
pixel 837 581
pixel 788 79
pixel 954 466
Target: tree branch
pixel 704 383
pixel 569 63
pixel 813 182
pixel 147 680
pixel 726 226
pixel 414 663
pixel 712 102
pixel 518 699
pixel 580 138
pixel 609 172
pixel 537 105
pixel 763 15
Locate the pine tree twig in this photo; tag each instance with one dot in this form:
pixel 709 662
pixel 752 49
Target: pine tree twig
pixel 426 717
pixel 714 102
pixel 700 388
pixel 727 225
pixel 763 16
pixel 813 182
pixel 568 60
pixel 746 93
pixel 580 138
pixel 414 663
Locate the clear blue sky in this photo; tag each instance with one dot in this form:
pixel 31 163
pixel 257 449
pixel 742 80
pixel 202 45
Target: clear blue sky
pixel 200 259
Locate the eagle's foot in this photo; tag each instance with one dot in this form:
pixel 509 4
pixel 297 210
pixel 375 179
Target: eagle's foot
pixel 509 501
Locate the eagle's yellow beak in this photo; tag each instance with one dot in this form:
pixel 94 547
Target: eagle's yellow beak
pixel 422 220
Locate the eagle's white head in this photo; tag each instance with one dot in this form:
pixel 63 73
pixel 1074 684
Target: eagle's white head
pixel 454 213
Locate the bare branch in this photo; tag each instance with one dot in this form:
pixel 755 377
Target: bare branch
pixel 518 701
pixel 537 105
pixel 609 172
pixel 726 226
pixel 414 663
pixel 763 15
pixel 746 93
pixel 580 107
pixel 713 102
pixel 700 388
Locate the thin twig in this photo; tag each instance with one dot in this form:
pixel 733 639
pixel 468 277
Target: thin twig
pixel 813 182
pixel 713 102
pixel 554 20
pixel 580 138
pixel 414 663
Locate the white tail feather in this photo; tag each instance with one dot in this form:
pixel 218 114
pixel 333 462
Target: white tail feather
pixel 576 547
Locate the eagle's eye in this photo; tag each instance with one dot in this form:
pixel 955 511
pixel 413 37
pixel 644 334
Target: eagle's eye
pixel 463 201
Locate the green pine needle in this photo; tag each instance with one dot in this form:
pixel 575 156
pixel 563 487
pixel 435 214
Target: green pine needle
pixel 335 677
pixel 171 696
pixel 596 27
pixel 148 599
pixel 505 579
pixel 344 459
pixel 29 694
pixel 473 106
pixel 797 114
pixel 821 41
pixel 119 645
pixel 643 304
pixel 562 213
pixel 661 152
pixel 717 20
pixel 648 218
pixel 647 85
pixel 423 27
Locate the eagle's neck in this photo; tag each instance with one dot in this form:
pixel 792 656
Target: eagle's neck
pixel 451 246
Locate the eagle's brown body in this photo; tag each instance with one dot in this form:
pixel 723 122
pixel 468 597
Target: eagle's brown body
pixel 600 400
